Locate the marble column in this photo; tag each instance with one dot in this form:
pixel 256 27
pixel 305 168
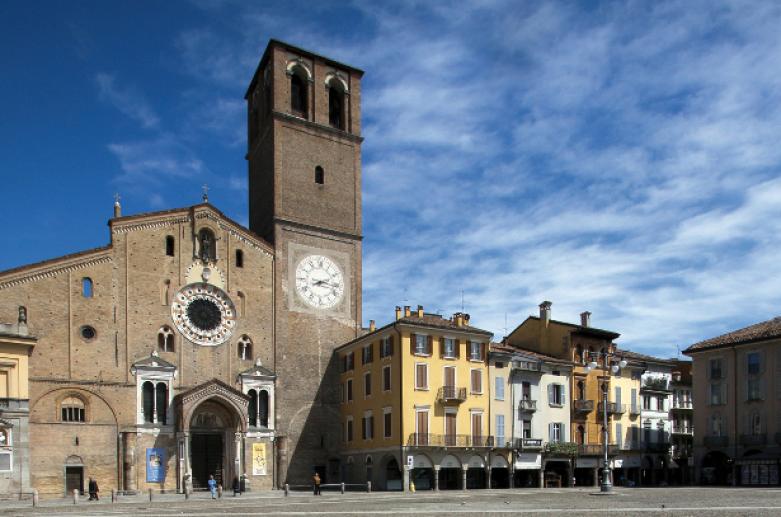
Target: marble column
pixel 488 476
pixel 541 475
pixel 464 470
pixel 436 478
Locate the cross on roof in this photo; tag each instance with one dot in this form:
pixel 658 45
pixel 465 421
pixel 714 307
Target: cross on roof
pixel 205 193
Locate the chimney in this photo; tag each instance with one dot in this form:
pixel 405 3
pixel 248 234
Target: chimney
pixel 406 311
pixel 398 313
pixel 466 319
pixel 372 326
pixel 420 311
pixel 458 318
pixel 585 319
pixel 545 312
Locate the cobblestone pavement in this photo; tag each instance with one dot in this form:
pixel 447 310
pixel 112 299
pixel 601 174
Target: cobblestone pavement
pixel 634 501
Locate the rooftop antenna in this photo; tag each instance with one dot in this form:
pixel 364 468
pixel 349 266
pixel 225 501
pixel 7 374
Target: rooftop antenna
pixel 505 323
pixel 462 300
pixel 205 193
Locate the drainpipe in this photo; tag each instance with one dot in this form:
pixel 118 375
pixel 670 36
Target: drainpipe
pixel 403 463
pixel 735 414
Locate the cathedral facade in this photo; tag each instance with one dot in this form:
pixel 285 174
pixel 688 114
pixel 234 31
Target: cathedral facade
pixel 192 346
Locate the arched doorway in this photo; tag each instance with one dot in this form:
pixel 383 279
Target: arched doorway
pixel 212 434
pixel 500 472
pixel 715 468
pixel 475 475
pixel 450 473
pixel 422 473
pixel 392 471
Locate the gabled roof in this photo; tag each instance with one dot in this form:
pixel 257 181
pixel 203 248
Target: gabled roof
pixel 258 371
pixel 154 361
pixel 511 349
pixel 769 329
pixel 645 358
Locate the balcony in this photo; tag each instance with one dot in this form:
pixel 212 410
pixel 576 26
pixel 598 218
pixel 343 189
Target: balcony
pixel 613 408
pixel 749 440
pixel 528 444
pixel 597 449
pixel 449 440
pixel 684 405
pixel 527 405
pixel 660 385
pixel 583 406
pixel 713 442
pixel 451 395
pixel 634 410
pixel 528 366
pixel 660 447
pixel 683 429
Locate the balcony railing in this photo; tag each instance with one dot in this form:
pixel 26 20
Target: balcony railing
pixel 449 440
pixel 753 439
pixel 447 394
pixel 526 365
pixel 597 449
pixel 613 408
pixel 655 385
pixel 715 441
pixel 583 406
pixel 527 405
pixel 682 405
pixel 528 444
pixel 634 410
pixel 683 430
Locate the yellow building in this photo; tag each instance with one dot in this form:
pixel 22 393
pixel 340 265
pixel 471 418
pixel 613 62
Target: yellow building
pixel 16 345
pixel 415 404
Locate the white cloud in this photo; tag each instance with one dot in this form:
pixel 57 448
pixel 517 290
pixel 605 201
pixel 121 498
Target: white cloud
pixel 127 100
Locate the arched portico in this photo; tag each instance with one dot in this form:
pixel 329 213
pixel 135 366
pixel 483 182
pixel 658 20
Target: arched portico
pixel 212 425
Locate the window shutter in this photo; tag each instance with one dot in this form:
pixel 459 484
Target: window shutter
pixel 442 342
pixel 723 392
pixel 619 435
pixel 618 395
pixel 482 351
pixel 430 345
pixel 550 394
pixel 412 340
pixel 563 396
pixel 634 399
pixel 424 368
pixel 391 340
pixel 457 345
pixel 550 431
pixel 563 436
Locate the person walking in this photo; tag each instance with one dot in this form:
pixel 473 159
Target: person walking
pixel 316 481
pixel 212 483
pixel 93 489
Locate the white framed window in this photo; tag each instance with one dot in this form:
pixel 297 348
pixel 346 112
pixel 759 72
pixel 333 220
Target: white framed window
pixel 367 384
pixel 556 432
pixel 500 430
pixel 475 351
pixel 6 461
pixel 421 344
pixel 386 378
pixel 368 425
pixel 499 388
pixel 449 351
pixel 387 422
pixel 556 395
pixel 421 376
pixel 386 347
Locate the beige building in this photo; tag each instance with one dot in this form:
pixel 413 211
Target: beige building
pixel 190 345
pixel 737 402
pixel 16 346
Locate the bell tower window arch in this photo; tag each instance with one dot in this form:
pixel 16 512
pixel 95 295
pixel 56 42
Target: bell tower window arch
pixel 300 79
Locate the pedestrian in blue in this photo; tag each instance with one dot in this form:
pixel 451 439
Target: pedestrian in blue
pixel 212 486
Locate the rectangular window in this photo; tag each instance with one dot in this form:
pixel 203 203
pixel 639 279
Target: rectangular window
pixel 387 426
pixel 349 361
pixel 5 462
pixel 715 369
pixel 753 389
pixel 421 427
pixel 555 394
pixel 752 362
pixel 555 435
pixel 349 390
pixel 449 351
pixel 386 378
pixel 475 351
pixel 715 393
pixel 500 430
pixel 367 354
pixel 499 391
pixel 368 426
pixel 477 382
pixel 421 376
pixel 349 429
pixel 660 403
pixel 526 427
pixel 367 384
pixel 477 428
pixel 647 402
pixel 386 347
pixel 421 344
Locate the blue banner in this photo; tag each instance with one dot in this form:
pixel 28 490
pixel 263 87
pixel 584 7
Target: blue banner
pixel 155 465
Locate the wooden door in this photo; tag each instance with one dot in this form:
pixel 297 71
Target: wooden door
pixel 422 428
pixel 450 429
pixel 74 480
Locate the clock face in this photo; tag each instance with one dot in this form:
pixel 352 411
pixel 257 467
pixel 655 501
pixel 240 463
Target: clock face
pixel 204 314
pixel 319 281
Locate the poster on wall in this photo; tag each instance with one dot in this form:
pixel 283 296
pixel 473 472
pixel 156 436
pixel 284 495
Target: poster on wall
pixel 155 465
pixel 258 459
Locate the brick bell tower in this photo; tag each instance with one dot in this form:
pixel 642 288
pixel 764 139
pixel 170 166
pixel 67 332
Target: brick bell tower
pixel 304 154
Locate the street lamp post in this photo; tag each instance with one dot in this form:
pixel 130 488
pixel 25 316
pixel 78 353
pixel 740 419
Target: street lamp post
pixel 606 486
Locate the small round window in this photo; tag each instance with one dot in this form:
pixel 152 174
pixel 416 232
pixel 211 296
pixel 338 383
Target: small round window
pixel 88 333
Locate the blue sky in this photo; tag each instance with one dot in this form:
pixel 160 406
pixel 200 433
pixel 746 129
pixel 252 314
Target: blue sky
pixel 616 157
